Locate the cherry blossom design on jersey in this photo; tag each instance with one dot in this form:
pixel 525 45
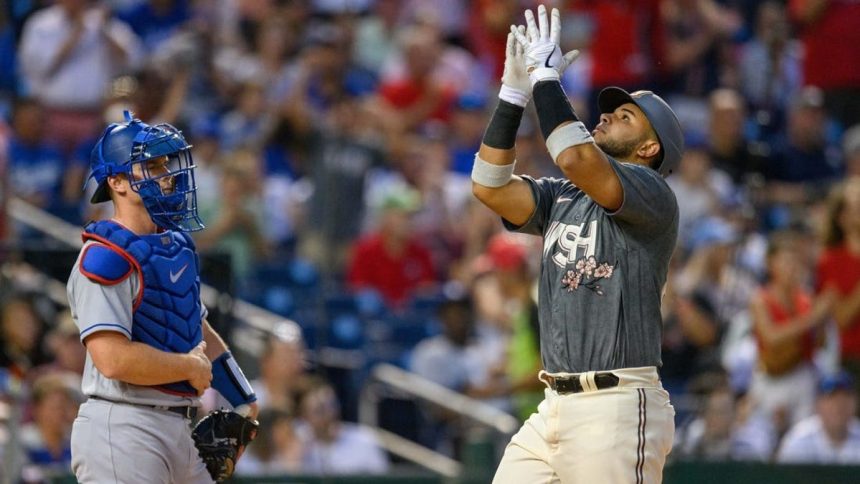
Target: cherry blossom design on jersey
pixel 586 273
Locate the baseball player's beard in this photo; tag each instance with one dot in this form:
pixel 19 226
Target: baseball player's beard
pixel 619 150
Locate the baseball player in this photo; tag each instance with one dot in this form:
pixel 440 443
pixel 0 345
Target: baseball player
pixel 134 293
pixel 609 227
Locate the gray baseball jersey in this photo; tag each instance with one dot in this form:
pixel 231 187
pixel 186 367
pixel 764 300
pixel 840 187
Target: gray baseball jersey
pixel 97 307
pixel 602 273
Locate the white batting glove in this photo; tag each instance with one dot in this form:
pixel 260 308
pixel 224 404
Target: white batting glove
pixel 516 87
pixel 544 60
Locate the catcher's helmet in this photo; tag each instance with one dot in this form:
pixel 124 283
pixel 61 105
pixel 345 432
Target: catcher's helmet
pixel 662 119
pixel 124 145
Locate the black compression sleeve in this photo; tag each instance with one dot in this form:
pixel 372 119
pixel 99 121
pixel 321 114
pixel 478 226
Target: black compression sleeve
pixel 552 106
pixel 502 131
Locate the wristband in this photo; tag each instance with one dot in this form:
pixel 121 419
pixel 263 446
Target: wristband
pixel 572 134
pixel 552 106
pixel 490 175
pixel 502 131
pixel 230 382
pixel 514 96
pixel 539 74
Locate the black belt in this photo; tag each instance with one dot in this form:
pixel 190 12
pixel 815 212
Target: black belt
pixel 187 412
pixel 570 384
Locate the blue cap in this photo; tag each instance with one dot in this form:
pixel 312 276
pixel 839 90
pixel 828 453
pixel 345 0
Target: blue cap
pixel 659 114
pixel 842 380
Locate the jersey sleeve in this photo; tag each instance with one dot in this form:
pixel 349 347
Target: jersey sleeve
pixel 649 203
pixel 544 191
pixel 101 307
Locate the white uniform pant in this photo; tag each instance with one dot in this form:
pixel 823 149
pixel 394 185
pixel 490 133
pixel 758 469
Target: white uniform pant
pixel 612 436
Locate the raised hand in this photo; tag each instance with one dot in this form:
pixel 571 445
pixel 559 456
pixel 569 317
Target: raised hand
pixel 543 57
pixel 516 87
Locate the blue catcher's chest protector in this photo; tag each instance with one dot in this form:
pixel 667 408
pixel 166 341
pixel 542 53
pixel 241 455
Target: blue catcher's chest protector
pixel 167 310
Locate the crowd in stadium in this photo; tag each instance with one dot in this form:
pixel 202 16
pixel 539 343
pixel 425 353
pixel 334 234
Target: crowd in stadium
pixel 334 140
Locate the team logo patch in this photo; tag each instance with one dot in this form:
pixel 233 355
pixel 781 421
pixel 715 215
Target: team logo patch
pixel 586 273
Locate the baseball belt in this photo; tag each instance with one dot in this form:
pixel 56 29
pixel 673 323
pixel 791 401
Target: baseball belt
pixel 187 412
pixel 571 384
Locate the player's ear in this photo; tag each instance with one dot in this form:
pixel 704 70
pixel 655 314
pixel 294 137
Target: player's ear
pixel 116 183
pixel 648 150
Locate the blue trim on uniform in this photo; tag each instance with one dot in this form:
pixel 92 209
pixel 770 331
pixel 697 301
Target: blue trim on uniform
pixel 125 330
pixel 104 265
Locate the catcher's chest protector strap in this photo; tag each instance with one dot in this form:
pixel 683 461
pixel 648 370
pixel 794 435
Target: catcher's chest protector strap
pixel 167 311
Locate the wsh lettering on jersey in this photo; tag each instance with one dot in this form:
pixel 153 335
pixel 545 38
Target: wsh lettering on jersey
pixel 570 242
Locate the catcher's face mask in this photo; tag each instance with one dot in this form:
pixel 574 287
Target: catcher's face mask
pixel 157 161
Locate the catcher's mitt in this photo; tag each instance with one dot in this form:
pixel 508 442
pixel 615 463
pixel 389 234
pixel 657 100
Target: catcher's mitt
pixel 219 436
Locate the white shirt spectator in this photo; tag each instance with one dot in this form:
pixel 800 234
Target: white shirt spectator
pixel 355 450
pixel 80 82
pixel 808 443
pixel 443 362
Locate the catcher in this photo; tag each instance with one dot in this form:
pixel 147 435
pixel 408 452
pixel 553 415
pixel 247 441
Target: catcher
pixel 134 293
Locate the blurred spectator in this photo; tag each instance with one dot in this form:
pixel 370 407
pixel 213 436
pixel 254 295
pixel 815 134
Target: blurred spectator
pixel 37 168
pixel 155 21
pixel 234 225
pixel 703 188
pixel 376 35
pixel 709 437
pixel 248 125
pixel 391 260
pixel 452 359
pixel 47 440
pixel 489 24
pixel 625 39
pixel 21 331
pixel 730 150
pixel 63 343
pixel 332 446
pixel 785 319
pixel 324 76
pixel 426 165
pixel 69 53
pixel 282 369
pixel 504 295
pixel 724 429
pixel 338 158
pixel 829 33
pixel 416 95
pixel 697 35
pixel 709 291
pixel 804 154
pixel 832 435
pixel 839 268
pixel 770 66
pixel 467 130
pixel 276 451
pixel 851 151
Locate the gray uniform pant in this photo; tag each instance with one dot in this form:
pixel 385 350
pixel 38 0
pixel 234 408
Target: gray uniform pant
pixel 120 443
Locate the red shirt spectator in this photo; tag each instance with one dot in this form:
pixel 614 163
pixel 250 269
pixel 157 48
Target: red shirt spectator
pixel 839 267
pixel 627 39
pixel 778 358
pixel 390 260
pixel 830 36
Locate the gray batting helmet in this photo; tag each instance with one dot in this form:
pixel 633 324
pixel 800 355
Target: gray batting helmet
pixel 662 119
